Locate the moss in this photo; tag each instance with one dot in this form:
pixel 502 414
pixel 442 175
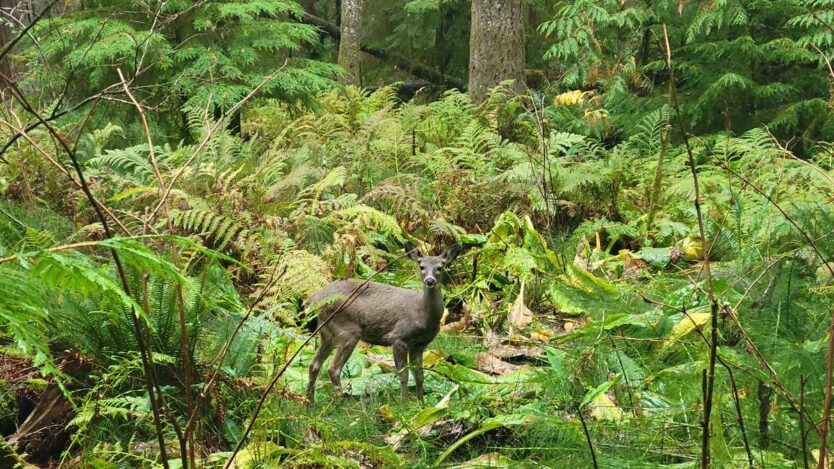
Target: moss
pixel 36 384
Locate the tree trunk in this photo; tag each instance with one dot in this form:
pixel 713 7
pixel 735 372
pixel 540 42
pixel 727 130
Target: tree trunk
pixel 16 14
pixel 309 6
pixel 6 7
pixel 496 46
pixel 349 46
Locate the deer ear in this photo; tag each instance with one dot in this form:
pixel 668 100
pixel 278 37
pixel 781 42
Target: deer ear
pixel 412 251
pixel 451 253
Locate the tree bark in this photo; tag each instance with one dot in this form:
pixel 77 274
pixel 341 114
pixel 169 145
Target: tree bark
pixel 764 394
pixel 17 14
pixel 351 39
pixel 6 7
pixel 496 46
pixel 309 6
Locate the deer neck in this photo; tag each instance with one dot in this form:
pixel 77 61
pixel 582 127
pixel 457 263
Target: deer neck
pixel 433 304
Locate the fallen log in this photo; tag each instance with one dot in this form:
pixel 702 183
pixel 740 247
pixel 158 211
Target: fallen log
pixel 52 407
pixel 415 68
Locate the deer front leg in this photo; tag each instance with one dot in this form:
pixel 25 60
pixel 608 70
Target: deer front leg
pixel 325 347
pixel 401 362
pixel 343 352
pixel 415 360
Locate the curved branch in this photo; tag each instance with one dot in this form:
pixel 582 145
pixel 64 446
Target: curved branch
pixel 415 68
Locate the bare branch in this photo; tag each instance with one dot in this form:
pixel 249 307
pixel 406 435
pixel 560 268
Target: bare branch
pixel 8 47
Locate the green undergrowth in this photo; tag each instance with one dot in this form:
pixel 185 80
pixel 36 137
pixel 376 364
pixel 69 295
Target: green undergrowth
pixel 581 295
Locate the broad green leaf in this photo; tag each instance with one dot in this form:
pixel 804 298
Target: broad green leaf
pixel 461 374
pixel 561 298
pixel 519 261
pixel 472 239
pixel 594 393
pixel 556 358
pixel 656 257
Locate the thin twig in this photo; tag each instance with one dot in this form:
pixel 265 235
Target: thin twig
pixel 189 377
pixel 713 345
pixel 65 247
pixel 217 362
pixel 803 434
pixel 739 415
pixel 159 395
pixel 587 437
pixel 145 128
pixel 61 167
pixel 56 114
pixel 151 154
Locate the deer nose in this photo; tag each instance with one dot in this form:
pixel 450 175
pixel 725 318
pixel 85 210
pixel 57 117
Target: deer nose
pixel 429 282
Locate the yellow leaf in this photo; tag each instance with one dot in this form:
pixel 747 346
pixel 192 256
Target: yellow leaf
pixel 542 335
pixel 693 249
pixel 568 98
pixel 595 116
pixel 520 316
pixel 386 414
pixel 686 325
pixel 432 357
pixel 603 408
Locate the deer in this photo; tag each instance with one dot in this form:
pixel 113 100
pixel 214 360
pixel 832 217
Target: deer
pixel 380 314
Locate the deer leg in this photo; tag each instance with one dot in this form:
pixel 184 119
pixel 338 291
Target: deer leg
pixel 343 352
pixel 415 360
pixel 325 347
pixel 401 362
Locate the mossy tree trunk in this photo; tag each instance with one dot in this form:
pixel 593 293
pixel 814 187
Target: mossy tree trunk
pixel 350 55
pixel 496 46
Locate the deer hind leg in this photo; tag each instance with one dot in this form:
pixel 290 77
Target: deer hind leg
pixel 325 347
pixel 401 362
pixel 415 360
pixel 343 352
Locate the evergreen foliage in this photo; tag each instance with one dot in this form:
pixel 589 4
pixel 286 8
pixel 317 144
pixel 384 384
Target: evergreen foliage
pixel 578 319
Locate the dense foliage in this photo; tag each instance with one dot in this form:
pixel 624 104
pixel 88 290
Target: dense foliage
pixel 155 258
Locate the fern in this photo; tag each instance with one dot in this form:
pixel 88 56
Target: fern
pixel 132 162
pixel 301 274
pixel 219 229
pixel 367 219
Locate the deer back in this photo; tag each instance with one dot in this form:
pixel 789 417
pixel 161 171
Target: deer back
pixel 378 313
